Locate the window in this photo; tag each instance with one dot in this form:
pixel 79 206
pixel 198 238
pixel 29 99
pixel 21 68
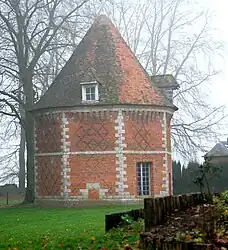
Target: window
pixel 143 178
pixel 90 91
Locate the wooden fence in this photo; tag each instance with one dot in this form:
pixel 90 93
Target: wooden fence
pixel 156 209
pixel 155 212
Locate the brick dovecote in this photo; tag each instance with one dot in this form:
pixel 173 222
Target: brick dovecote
pixel 99 150
pixel 101 118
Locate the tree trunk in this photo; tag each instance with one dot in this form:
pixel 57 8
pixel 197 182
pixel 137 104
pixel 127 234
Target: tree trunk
pixel 22 159
pixel 22 145
pixel 30 194
pixel 29 133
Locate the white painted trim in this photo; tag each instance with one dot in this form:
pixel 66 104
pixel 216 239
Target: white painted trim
pixel 104 153
pixel 90 85
pixel 124 108
pixel 35 163
pixel 65 156
pixel 164 131
pixel 85 192
pixel 165 157
pixel 121 177
pixel 146 152
pixel 127 197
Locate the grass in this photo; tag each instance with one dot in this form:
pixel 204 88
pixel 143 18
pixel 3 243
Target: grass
pixel 10 202
pixel 36 228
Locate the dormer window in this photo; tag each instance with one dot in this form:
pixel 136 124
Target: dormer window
pixel 90 92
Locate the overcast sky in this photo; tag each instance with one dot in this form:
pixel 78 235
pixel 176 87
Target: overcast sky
pixel 220 21
pixel 219 86
pixel 218 91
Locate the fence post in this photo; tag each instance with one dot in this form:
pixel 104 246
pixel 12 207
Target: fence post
pixel 7 198
pixel 148 213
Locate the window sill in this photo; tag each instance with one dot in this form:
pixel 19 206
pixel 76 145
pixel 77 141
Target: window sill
pixel 90 102
pixel 144 196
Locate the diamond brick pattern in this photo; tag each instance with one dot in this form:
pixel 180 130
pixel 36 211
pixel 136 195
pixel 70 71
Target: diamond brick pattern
pixel 92 160
pixel 92 136
pixel 49 176
pixel 48 133
pixel 143 137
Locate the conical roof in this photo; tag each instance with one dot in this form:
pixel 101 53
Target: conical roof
pixel 103 56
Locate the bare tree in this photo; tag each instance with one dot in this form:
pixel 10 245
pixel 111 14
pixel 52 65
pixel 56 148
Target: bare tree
pixel 168 36
pixel 29 29
pixel 176 36
pixel 8 149
pixel 11 168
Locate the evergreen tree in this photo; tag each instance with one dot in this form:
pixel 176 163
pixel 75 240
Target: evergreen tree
pixel 183 178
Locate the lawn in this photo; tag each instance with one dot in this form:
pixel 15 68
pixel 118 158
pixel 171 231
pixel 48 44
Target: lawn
pixel 36 228
pixel 10 202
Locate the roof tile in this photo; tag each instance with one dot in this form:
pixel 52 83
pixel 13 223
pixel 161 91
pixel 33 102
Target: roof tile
pixel 104 56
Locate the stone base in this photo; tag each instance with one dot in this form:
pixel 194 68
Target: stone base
pixel 60 203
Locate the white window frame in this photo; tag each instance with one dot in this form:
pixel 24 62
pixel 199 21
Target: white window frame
pixel 86 85
pixel 141 187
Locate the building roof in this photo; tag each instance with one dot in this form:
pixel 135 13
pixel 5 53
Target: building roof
pixel 103 56
pixel 165 81
pixel 220 149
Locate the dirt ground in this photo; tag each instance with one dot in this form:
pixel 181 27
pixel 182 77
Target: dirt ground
pixel 195 224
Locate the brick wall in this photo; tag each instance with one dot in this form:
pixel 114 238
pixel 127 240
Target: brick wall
pixel 48 133
pixel 48 166
pixel 93 154
pixel 169 157
pixel 91 131
pixel 142 134
pixel 49 176
pixel 92 172
pixel 156 173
